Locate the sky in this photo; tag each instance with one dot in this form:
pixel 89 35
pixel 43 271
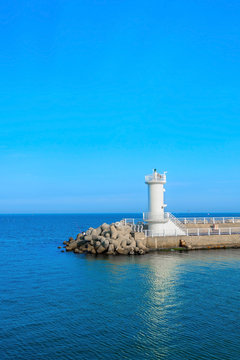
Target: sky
pixel 94 94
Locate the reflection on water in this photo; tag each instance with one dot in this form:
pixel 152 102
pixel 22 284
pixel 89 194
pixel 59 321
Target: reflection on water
pixel 166 305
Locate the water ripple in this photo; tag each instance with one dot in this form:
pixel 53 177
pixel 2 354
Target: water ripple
pixel 159 306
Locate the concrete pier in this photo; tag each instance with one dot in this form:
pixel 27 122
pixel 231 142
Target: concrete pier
pixel 193 242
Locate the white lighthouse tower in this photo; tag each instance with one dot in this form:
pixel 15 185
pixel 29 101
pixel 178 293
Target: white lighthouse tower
pixel 160 223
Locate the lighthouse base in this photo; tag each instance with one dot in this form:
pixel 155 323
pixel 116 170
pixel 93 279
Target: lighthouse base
pixel 168 228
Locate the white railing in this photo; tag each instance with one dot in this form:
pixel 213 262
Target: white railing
pixel 197 232
pixel 212 231
pixel 129 221
pixel 156 177
pixel 151 233
pixel 132 221
pixel 137 228
pixel 209 220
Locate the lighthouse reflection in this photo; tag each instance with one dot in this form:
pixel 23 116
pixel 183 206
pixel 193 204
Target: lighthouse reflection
pixel 153 304
pixel 156 273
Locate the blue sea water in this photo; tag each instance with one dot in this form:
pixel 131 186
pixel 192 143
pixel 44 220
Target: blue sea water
pixel 62 306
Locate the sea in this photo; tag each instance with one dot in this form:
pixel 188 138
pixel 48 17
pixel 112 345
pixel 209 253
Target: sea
pixel 65 306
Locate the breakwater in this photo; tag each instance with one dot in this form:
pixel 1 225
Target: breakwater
pixel 119 238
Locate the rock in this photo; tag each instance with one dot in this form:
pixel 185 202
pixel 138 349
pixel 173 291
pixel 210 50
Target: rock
pixel 122 251
pixel 119 226
pixel 105 227
pixel 182 243
pixel 140 245
pixel 113 232
pixel 128 245
pixel 105 244
pixel 88 237
pixel 81 243
pixel 115 243
pixel 100 249
pixel 83 247
pixel 133 243
pixel 93 251
pixel 123 233
pixel 100 238
pixel 90 248
pixel 110 249
pixel 121 238
pixel 123 243
pixel 59 247
pixel 71 239
pixel 62 251
pixel 105 232
pixel 89 231
pixel 97 244
pixel 98 230
pixel 76 251
pixel 65 243
pixel 139 236
pixel 73 245
pixel 94 232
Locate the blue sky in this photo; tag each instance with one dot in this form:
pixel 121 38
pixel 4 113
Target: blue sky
pixel 96 93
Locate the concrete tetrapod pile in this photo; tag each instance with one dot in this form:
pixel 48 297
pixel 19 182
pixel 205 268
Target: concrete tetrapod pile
pixel 116 238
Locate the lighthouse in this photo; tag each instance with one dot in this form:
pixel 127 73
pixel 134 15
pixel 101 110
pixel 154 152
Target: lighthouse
pixel 160 223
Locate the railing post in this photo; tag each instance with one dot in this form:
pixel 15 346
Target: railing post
pixel 198 231
pixel 195 220
pixel 230 231
pixel 204 220
pixel 187 232
pixel 209 231
pixel 219 231
pixel 213 219
pixel 185 221
pixel 233 220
